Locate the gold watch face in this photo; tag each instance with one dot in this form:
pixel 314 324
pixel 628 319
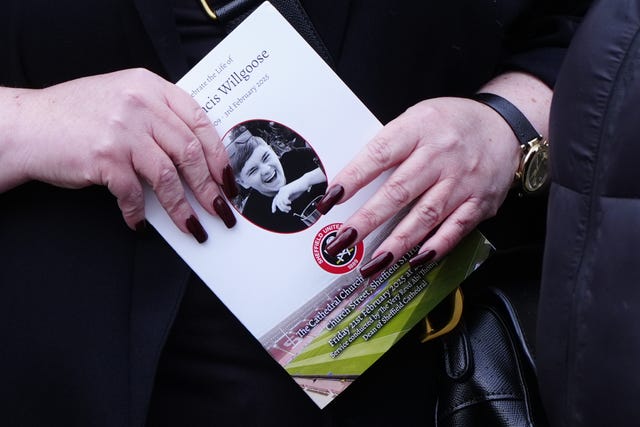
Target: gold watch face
pixel 535 174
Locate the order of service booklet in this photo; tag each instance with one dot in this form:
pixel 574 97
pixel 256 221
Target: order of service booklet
pixel 289 124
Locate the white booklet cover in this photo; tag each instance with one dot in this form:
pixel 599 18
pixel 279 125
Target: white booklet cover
pixel 268 92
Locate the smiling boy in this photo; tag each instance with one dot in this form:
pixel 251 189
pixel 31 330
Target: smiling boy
pixel 282 190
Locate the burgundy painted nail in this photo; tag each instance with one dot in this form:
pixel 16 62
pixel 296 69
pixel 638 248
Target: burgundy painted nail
pixel 343 241
pixel 224 211
pixel 376 264
pixel 229 185
pixel 422 258
pixel 195 228
pixel 331 197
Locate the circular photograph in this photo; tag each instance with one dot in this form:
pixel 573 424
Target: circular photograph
pixel 280 177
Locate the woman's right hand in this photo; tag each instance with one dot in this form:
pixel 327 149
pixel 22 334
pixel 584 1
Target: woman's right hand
pixel 116 130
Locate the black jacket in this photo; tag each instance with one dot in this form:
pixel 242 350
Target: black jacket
pixel 86 304
pixel 589 339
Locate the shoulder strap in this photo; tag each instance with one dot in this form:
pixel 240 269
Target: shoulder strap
pixel 234 12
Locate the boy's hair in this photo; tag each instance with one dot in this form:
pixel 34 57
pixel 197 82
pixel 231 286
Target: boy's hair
pixel 241 148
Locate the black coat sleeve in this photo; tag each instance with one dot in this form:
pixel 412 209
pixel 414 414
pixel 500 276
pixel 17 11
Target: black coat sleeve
pixel 538 44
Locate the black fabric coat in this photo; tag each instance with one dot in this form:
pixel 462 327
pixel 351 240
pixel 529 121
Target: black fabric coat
pixel 588 334
pixel 86 305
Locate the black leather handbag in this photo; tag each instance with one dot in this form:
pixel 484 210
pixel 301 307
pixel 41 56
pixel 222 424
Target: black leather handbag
pixel 487 373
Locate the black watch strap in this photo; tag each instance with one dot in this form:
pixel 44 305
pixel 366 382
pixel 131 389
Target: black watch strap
pixel 521 126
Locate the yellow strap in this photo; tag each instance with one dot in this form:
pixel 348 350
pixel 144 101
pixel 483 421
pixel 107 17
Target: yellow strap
pixel 456 314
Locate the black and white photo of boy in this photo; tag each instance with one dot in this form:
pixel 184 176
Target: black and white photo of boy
pixel 280 176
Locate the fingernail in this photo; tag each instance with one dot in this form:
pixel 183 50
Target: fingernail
pixel 229 185
pixel 376 264
pixel 343 241
pixel 224 211
pixel 195 228
pixel 422 258
pixel 331 197
pixel 141 226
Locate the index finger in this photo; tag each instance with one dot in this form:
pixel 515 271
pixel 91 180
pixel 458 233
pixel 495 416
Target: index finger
pixel 194 116
pixel 388 148
pixel 205 162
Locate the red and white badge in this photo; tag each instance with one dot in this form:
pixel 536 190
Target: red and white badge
pixel 343 262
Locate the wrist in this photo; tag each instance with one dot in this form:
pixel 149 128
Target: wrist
pixel 532 174
pixel 527 93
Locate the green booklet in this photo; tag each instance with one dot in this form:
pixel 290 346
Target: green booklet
pixel 289 124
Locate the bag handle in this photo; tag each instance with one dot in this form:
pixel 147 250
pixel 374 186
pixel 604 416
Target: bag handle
pixel 455 301
pixel 234 12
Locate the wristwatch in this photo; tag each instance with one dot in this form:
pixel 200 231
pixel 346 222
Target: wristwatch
pixel 533 173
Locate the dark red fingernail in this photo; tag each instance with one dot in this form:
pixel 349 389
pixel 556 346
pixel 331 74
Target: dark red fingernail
pixel 377 264
pixel 422 258
pixel 343 241
pixel 195 228
pixel 229 185
pixel 331 197
pixel 224 211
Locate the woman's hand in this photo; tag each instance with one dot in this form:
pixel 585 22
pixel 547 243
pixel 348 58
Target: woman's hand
pixel 116 130
pixel 454 161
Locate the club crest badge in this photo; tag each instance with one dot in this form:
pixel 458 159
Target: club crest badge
pixel 341 263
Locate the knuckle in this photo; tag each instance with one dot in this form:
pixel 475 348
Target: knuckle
pixel 173 206
pixel 104 150
pixel 134 98
pixel 191 153
pixel 139 72
pixel 461 226
pixel 484 208
pixel 379 150
pixel 404 241
pixel 200 119
pixel 137 84
pixel 457 228
pixel 427 112
pixel 169 189
pixel 355 175
pixel 133 195
pixel 368 217
pixel 108 160
pixel 130 207
pixel 487 209
pixel 139 76
pixel 166 177
pixel 396 192
pixel 449 240
pixel 116 123
pixel 427 215
pixel 201 185
pixel 130 196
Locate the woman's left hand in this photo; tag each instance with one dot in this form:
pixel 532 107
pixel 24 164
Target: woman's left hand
pixel 454 157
